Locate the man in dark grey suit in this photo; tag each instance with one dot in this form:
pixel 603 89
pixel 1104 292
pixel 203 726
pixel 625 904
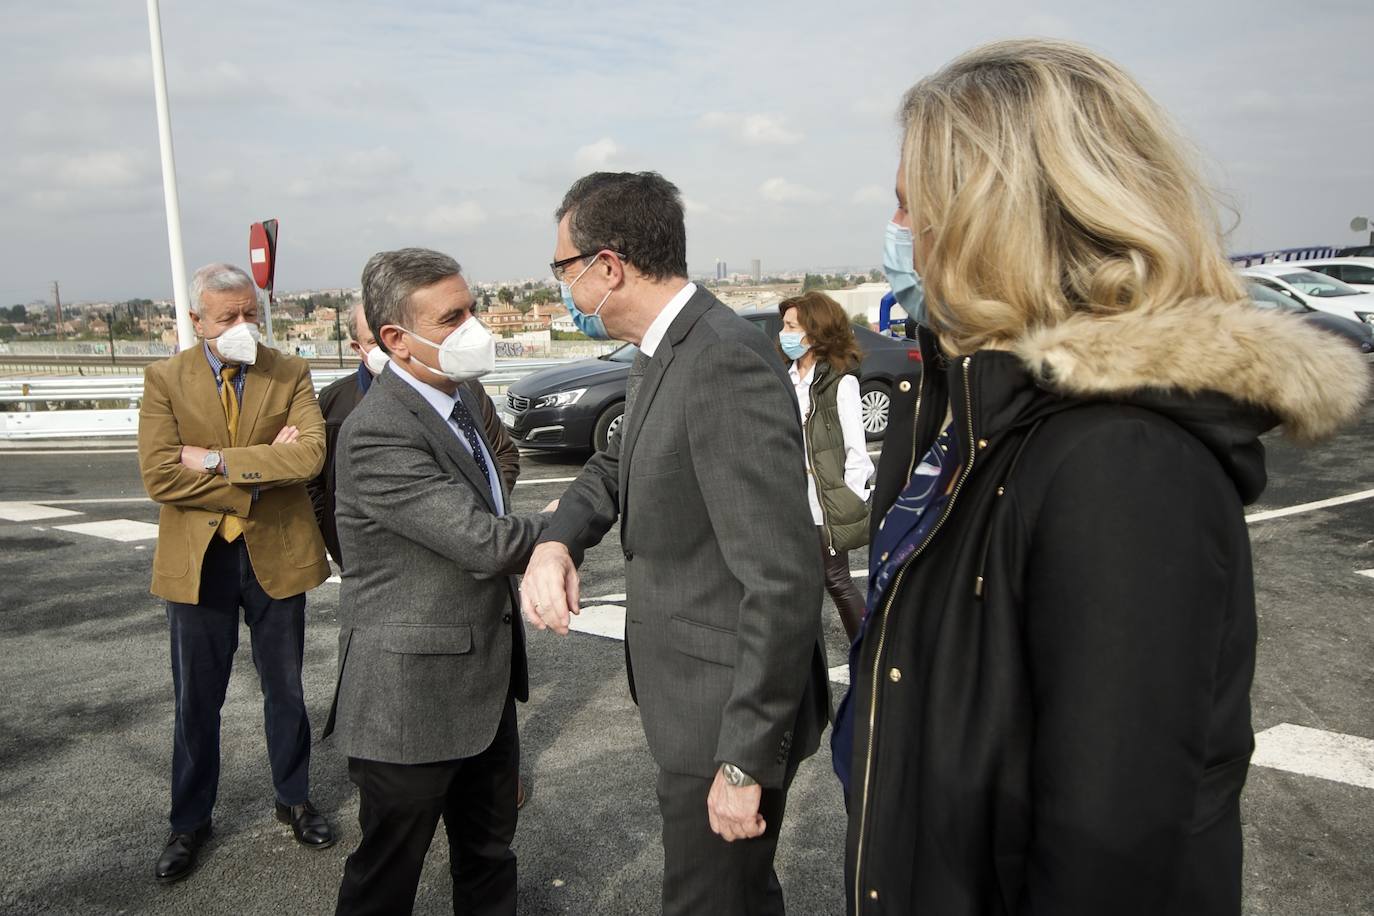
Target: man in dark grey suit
pixel 707 478
pixel 431 649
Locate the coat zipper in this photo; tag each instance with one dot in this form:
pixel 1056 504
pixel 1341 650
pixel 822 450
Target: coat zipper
pixel 882 629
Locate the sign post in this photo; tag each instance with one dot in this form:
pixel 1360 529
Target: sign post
pixel 262 255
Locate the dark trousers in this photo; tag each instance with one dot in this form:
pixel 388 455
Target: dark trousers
pixel 399 807
pixel 204 639
pixel 703 874
pixel 849 601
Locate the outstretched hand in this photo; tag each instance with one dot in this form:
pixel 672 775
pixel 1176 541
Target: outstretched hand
pixel 551 587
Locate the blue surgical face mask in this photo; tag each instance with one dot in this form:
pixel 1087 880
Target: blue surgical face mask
pixel 591 325
pixel 907 287
pixel 791 343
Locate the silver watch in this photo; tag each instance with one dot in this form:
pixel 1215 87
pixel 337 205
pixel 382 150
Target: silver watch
pixel 737 777
pixel 211 461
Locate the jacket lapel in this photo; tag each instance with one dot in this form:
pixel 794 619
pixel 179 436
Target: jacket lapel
pixel 255 385
pixel 653 377
pixel 198 382
pixel 438 431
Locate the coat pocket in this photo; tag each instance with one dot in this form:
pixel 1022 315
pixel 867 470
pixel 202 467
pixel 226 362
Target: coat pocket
pixel 426 639
pixel 653 465
pixel 703 641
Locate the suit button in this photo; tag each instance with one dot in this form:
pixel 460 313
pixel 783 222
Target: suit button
pixel 214 522
pixel 505 618
pixel 629 555
pixel 895 675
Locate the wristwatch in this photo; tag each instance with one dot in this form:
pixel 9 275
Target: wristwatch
pixel 211 461
pixel 735 776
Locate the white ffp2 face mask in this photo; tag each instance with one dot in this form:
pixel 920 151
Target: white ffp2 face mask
pixel 239 344
pixel 468 352
pixel 376 360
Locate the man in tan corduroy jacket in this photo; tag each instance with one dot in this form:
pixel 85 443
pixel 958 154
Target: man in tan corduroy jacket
pixel 229 433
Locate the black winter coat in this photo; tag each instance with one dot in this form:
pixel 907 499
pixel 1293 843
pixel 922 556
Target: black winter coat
pixel 1058 681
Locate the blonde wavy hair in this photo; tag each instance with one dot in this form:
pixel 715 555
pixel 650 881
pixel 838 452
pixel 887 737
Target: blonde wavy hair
pixel 1050 184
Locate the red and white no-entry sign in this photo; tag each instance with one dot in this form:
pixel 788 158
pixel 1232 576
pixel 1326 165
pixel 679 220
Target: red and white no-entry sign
pixel 262 252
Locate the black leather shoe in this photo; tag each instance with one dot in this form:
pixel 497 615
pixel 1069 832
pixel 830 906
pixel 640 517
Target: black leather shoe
pixel 309 825
pixel 179 855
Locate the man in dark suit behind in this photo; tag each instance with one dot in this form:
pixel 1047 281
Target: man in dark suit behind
pixel 431 649
pixel 707 478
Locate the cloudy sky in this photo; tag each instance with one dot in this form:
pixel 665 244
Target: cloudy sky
pixel 458 125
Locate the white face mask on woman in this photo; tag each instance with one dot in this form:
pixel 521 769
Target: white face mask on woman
pixel 468 352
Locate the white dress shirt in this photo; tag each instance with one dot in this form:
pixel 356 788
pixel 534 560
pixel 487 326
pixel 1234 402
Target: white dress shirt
pixel 443 405
pixel 654 336
pixel 858 467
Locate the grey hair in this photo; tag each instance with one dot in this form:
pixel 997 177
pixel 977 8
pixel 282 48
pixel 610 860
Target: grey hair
pixel 353 322
pixel 389 278
pixel 218 278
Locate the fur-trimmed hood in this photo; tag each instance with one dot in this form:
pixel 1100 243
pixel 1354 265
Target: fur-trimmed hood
pixel 1309 380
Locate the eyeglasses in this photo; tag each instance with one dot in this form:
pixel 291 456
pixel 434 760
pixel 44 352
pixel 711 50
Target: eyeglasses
pixel 559 266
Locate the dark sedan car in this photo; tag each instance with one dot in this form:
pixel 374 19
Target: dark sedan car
pixel 1357 333
pixel 579 406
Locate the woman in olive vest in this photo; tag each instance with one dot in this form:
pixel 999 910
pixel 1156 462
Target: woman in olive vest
pixel 817 338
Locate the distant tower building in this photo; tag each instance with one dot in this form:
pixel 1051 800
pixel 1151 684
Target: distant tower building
pixel 720 269
pixel 756 269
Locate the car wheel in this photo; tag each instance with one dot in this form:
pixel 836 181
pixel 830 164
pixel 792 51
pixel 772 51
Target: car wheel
pixel 607 425
pixel 874 401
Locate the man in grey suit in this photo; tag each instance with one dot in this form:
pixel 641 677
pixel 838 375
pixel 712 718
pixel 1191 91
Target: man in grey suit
pixel 431 649
pixel 707 477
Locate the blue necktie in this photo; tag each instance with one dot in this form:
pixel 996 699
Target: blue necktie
pixel 463 417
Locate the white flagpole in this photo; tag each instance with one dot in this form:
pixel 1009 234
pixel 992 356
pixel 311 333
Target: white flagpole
pixel 186 335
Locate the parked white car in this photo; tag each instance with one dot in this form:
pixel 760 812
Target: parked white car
pixel 1317 290
pixel 1356 272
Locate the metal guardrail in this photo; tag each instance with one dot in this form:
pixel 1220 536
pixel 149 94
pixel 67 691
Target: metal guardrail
pixel 81 422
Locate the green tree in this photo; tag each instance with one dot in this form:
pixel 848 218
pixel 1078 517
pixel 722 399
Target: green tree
pixel 859 320
pixel 875 275
pixel 17 314
pixel 506 295
pixel 7 332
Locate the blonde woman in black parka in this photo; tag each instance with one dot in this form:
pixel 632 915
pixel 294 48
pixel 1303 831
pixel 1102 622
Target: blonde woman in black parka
pixel 1050 709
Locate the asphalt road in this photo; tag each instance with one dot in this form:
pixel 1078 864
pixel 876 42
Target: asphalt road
pixel 85 727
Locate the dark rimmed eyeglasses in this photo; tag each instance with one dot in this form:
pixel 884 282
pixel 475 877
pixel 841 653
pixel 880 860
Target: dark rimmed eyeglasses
pixel 562 264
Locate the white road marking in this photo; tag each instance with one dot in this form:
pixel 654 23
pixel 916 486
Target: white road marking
pixel 839 674
pixel 70 451
pixel 115 529
pixel 604 598
pixel 30 512
pixel 1365 572
pixel 335 579
pixel 110 500
pixel 606 620
pixel 1313 752
pixel 531 480
pixel 1309 507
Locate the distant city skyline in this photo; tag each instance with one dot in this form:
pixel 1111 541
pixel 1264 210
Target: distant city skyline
pixel 364 126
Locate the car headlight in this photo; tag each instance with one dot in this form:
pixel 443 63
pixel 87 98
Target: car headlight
pixel 560 398
pixel 1366 317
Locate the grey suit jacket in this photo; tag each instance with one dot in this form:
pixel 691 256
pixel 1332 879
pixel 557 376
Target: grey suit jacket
pixel 707 476
pixel 430 638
